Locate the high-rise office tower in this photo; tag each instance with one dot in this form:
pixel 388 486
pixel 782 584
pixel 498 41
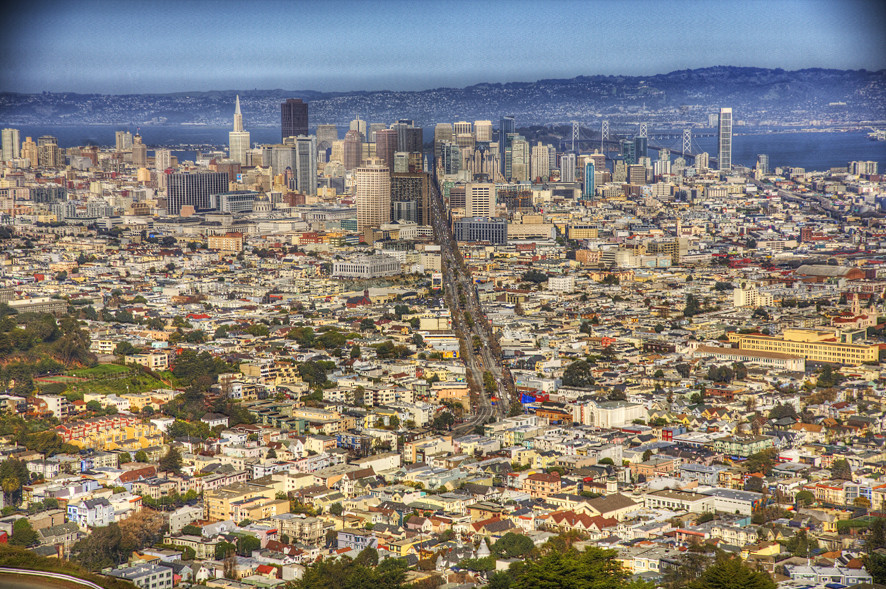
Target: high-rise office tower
pixel 139 152
pixel 480 199
pixel 724 138
pixel 520 168
pixel 359 125
pixel 409 198
pixel 30 153
pixel 280 158
pixel 326 135
pixel 306 165
pixel 702 161
pixel 461 127
pixel 293 118
pixel 567 167
pixel 373 196
pixel 588 189
pixel 450 158
pixel 506 128
pixel 483 131
pixel 194 189
pixel 401 162
pixel 763 163
pixel 386 146
pixel 48 154
pixel 238 139
pixel 442 134
pixel 409 137
pixel 353 149
pixel 541 162
pixel 641 147
pixel 162 159
pixel 628 152
pixel 11 144
pixel 373 129
pixel 123 140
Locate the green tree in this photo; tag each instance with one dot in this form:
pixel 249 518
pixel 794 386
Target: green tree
pixel 172 461
pixel 513 545
pixel 125 349
pixel 192 530
pixel 732 573
pixel 141 456
pixel 23 534
pixel 247 544
pixel 805 498
pixel 840 469
pixel 578 374
pixel 224 550
pixel 124 457
pixel 594 568
pixel 336 509
pixel 692 307
pixel 800 544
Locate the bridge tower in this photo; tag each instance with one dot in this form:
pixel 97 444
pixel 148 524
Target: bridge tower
pixel 604 136
pixel 643 129
pixel 687 141
pixel 575 132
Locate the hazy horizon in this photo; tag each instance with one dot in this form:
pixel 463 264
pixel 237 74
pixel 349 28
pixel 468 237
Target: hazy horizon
pixel 102 47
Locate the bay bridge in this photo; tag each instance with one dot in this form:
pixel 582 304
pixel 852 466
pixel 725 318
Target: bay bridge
pixel 680 142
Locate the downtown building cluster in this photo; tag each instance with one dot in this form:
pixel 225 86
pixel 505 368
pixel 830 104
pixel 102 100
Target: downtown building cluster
pixel 694 348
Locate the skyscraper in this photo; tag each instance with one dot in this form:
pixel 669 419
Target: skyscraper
pixel 123 140
pixel 483 131
pixel 30 153
pixel 293 118
pixel 541 162
pixel 409 198
pixel 373 129
pixel 139 152
pixel 567 167
pixel 326 135
pixel 588 191
pixel 506 127
pixel 194 189
pixel 461 127
pixel 238 139
pixel 409 137
pixel 359 125
pixel 450 158
pixel 641 147
pixel 442 134
pixel 763 163
pixel 353 149
pixel 48 154
pixel 724 135
pixel 162 159
pixel 386 146
pixel 373 196
pixel 629 152
pixel 480 199
pixel 519 168
pixel 11 144
pixel 306 165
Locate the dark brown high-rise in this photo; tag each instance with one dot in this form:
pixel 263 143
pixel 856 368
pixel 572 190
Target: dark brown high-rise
pixel 386 146
pixel 293 118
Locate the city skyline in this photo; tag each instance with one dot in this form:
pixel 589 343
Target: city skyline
pixel 361 46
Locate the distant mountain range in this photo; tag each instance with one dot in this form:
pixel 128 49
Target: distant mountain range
pixel 685 97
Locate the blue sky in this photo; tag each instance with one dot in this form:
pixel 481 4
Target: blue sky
pixel 162 46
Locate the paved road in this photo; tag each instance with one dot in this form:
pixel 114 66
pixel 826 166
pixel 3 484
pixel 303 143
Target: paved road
pixel 26 580
pixel 461 298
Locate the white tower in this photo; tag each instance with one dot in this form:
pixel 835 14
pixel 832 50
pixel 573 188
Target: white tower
pixel 238 139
